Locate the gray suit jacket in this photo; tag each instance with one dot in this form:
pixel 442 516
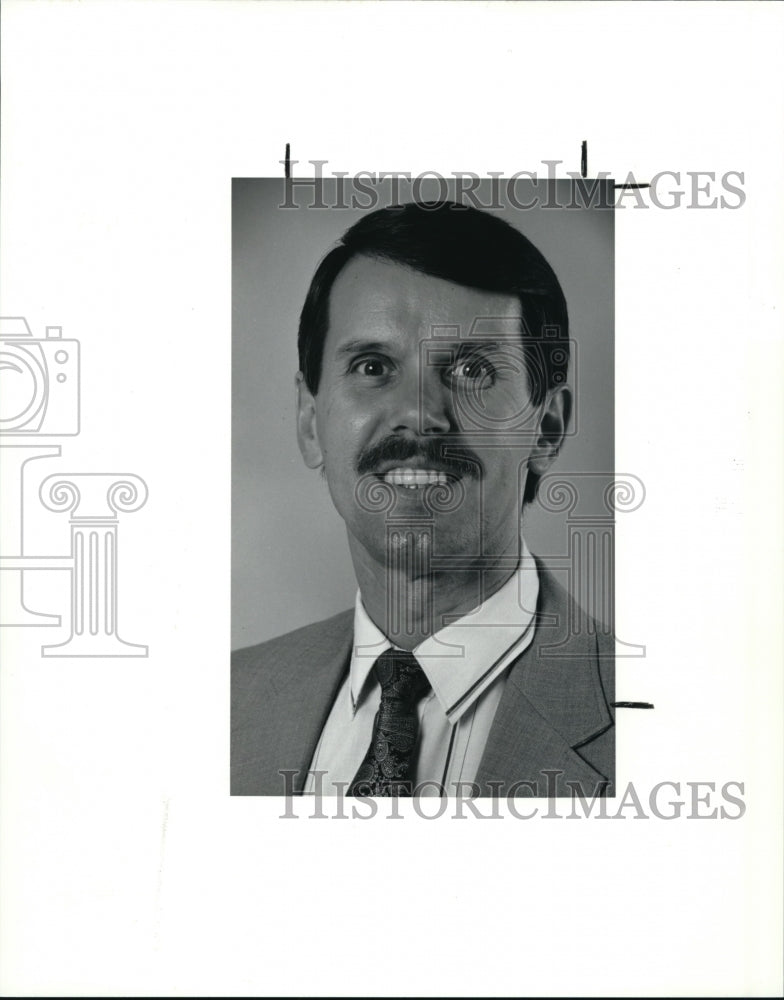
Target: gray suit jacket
pixel 554 715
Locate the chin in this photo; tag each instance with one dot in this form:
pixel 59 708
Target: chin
pixel 421 545
pixel 407 547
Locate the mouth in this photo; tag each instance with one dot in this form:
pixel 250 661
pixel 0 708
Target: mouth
pixel 415 479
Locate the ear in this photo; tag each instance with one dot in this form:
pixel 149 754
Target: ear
pixel 553 423
pixel 307 432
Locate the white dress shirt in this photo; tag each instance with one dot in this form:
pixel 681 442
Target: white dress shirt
pixel 466 663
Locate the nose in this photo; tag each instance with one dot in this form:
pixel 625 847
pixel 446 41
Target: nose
pixel 421 403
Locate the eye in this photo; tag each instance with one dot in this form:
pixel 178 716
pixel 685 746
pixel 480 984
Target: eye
pixel 372 367
pixel 472 371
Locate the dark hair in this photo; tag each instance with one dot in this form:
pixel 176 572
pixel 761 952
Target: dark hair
pixel 463 245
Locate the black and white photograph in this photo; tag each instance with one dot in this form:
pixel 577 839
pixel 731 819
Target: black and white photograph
pixel 441 370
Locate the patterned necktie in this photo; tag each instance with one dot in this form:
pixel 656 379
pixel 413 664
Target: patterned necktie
pixel 385 769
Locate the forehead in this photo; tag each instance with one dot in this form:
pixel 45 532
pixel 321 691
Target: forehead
pixel 392 301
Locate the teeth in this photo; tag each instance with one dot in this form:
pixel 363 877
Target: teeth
pixel 415 479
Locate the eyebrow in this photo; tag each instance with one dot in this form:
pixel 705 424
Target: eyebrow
pixel 460 348
pixel 356 346
pixel 432 345
pixel 474 345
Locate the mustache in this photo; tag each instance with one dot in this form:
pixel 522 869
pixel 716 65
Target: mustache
pixel 439 453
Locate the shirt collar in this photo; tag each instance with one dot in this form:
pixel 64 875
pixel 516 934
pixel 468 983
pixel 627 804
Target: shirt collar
pixel 465 657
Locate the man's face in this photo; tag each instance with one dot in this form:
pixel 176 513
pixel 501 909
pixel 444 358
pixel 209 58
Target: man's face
pixel 423 417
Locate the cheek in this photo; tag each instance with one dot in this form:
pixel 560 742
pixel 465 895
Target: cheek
pixel 345 425
pixel 340 433
pixel 514 408
pixel 502 408
pixel 505 472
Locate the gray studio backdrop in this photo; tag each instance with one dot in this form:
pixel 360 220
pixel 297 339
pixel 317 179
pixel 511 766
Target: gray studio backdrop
pixel 290 561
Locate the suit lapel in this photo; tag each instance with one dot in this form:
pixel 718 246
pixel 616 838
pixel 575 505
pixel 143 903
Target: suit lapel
pixel 553 704
pixel 304 690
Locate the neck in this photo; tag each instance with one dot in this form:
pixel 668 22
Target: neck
pixel 408 604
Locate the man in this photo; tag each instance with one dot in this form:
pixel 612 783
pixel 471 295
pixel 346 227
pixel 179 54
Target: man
pixel 434 350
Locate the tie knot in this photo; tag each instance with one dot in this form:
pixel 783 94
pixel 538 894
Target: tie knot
pixel 400 676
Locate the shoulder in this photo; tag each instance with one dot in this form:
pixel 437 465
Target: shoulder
pixel 564 627
pixel 280 690
pixel 253 661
